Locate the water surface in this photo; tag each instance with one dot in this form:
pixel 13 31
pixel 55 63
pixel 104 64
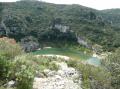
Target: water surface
pixel 75 54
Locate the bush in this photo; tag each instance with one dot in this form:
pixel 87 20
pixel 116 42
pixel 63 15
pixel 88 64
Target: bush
pixel 14 66
pixel 53 66
pixel 6 88
pixel 92 77
pixel 46 63
pixel 72 63
pixel 25 67
pixel 112 64
pixel 4 68
pixel 23 71
pixel 9 48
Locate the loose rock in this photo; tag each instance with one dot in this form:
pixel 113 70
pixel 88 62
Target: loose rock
pixel 65 78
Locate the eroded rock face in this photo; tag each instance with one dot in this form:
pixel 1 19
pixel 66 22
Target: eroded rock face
pixel 65 78
pixel 62 28
pixel 29 44
pixel 82 41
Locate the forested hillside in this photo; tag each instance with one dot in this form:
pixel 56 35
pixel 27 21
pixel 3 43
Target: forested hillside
pixel 112 15
pixel 45 23
pixel 51 46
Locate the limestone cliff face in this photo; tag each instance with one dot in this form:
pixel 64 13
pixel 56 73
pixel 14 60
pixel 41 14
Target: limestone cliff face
pixel 3 30
pixel 62 28
pixel 82 41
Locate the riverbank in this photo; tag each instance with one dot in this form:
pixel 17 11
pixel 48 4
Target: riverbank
pixel 56 56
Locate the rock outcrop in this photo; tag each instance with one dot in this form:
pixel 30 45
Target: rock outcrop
pixel 65 78
pixel 62 28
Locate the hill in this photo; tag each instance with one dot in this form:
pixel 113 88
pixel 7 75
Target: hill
pixel 47 23
pixel 113 15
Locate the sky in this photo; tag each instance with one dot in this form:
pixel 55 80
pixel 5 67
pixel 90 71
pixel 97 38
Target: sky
pixel 96 4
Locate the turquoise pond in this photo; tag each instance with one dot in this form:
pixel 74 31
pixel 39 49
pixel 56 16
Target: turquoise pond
pixel 94 61
pixel 75 54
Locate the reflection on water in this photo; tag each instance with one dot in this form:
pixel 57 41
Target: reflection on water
pixel 94 61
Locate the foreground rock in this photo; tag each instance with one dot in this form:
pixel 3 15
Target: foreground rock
pixel 65 78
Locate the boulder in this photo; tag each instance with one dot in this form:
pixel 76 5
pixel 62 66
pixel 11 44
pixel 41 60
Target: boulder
pixel 10 84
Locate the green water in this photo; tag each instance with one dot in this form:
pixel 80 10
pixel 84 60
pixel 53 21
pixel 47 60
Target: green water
pixel 66 52
pixel 75 54
pixel 94 61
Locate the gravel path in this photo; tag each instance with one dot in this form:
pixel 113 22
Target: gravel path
pixel 65 78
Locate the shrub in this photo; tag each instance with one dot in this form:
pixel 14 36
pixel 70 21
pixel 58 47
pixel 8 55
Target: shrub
pixel 112 64
pixel 72 63
pixel 46 63
pixel 23 71
pixel 6 88
pixel 9 48
pixel 92 77
pixel 4 68
pixel 53 66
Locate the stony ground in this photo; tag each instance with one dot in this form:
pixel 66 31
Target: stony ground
pixel 65 78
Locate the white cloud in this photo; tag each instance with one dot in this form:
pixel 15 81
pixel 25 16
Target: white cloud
pixel 97 4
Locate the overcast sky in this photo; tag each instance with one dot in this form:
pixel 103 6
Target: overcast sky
pixel 97 4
